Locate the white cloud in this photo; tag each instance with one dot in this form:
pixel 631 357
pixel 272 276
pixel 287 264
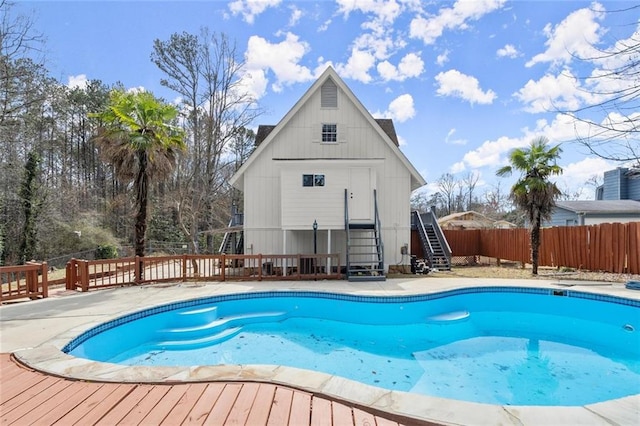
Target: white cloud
pixel 400 109
pixel 384 10
pixel 378 45
pixel 249 9
pixel 454 83
pixel 411 65
pixel 282 58
pixel 458 167
pixel 296 14
pixel 77 81
pixel 553 93
pixel 490 153
pixel 451 141
pixel 254 83
pixel 358 66
pixel 429 29
pixel 443 58
pixel 575 175
pixel 574 36
pixel 508 51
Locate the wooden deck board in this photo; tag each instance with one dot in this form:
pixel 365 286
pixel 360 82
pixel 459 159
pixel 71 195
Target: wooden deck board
pixel 144 406
pixel 98 409
pixel 30 406
pixel 341 414
pixel 201 410
pixel 243 404
pixel 183 407
pixel 29 397
pixel 259 414
pixel 281 407
pixel 120 410
pixel 321 412
pixel 224 404
pixel 173 395
pixel 301 409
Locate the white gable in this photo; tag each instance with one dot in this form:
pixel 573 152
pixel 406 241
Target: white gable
pixel 359 136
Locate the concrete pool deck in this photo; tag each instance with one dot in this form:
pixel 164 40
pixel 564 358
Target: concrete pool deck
pixel 36 331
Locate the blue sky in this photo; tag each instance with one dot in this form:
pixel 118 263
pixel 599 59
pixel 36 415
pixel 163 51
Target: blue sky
pixel 464 81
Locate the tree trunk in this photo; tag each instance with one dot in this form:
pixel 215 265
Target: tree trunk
pixel 141 185
pixel 535 243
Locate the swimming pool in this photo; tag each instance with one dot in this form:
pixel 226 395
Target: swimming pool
pixel 522 344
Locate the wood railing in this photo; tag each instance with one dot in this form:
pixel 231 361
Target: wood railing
pixel 93 274
pixel 24 281
pixel 607 247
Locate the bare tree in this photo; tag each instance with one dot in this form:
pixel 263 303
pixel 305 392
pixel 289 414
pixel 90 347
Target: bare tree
pixel 614 87
pixel 207 72
pixel 447 185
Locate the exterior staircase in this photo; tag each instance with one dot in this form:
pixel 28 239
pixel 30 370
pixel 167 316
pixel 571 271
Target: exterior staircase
pixel 233 240
pixel 365 251
pixel 434 244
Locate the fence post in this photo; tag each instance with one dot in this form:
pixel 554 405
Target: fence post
pixel 260 267
pixel 70 275
pixel 45 281
pixel 137 269
pixel 184 268
pixel 84 275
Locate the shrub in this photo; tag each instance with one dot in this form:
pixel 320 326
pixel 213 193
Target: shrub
pixel 106 251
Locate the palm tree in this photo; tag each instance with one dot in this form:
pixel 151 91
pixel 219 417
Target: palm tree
pixel 533 192
pixel 138 137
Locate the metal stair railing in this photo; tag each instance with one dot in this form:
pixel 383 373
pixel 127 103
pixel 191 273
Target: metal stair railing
pixel 378 233
pixel 424 238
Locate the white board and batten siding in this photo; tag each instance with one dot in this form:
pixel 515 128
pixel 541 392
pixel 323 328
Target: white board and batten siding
pixel 362 159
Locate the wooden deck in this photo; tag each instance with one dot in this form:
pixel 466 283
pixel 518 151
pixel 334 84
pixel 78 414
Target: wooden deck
pixel 32 398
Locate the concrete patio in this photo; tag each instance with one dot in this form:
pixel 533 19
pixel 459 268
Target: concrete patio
pixel 36 331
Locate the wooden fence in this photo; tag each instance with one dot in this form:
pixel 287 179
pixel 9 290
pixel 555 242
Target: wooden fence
pixel 608 247
pixel 23 281
pixel 93 274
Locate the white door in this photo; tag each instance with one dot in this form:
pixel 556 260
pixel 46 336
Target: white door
pixel 360 194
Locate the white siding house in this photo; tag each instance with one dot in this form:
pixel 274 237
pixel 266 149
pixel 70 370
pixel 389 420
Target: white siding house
pixel 327 145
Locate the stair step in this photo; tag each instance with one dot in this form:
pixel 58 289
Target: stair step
pixel 362 225
pixel 200 342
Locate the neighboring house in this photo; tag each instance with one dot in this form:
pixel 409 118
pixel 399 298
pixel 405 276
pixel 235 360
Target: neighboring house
pixel 617 200
pixel 620 184
pixel 472 220
pixel 593 212
pixel 327 149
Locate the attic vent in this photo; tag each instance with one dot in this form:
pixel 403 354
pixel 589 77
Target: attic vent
pixel 329 95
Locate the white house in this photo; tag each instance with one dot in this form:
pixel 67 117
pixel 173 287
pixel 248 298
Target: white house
pixel 328 149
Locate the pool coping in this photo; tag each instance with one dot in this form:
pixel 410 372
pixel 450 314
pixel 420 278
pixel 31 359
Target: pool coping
pixel 49 358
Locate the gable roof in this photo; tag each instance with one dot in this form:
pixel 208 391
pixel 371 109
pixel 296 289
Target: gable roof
pixel 601 206
pixel 384 127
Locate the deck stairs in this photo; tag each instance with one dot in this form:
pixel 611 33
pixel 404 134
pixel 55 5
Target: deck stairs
pixel 365 251
pixel 434 244
pixel 233 240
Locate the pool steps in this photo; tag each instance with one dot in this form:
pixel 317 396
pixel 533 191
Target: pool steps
pixel 449 317
pixel 211 331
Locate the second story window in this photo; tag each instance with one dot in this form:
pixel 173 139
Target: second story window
pixel 329 133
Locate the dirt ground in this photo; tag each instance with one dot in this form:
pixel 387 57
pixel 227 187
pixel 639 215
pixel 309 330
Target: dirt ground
pixel 517 272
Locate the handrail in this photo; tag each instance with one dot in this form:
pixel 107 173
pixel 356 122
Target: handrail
pixel 423 235
pixel 24 281
pixel 94 274
pixel 440 235
pixel 378 230
pixel 346 227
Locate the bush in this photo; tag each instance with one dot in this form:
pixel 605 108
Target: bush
pixel 106 251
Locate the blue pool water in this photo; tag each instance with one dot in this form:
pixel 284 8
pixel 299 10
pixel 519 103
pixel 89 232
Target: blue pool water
pixel 493 345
